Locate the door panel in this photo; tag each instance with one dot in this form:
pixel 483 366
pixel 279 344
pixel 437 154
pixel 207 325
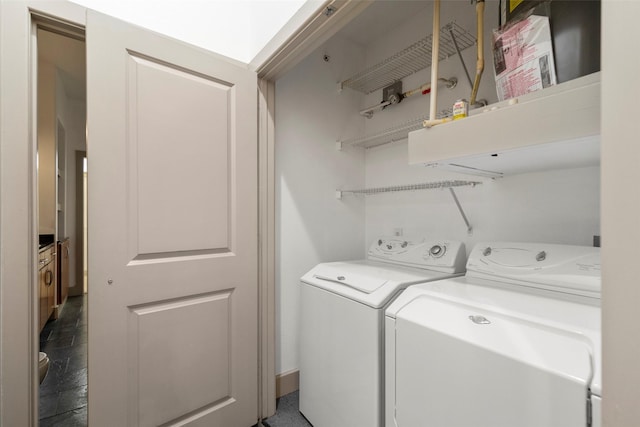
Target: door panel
pixel 158 340
pixel 183 165
pixel 172 232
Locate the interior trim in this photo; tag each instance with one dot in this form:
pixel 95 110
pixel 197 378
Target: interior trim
pixel 273 61
pixel 287 382
pixel 266 248
pixel 310 35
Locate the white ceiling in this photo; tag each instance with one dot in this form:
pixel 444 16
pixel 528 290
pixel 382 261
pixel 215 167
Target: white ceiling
pixel 238 29
pixel 366 27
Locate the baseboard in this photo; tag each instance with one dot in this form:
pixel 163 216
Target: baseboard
pixel 287 382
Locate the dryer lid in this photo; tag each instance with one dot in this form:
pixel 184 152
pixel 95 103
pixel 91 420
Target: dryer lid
pixel 548 347
pixel 487 358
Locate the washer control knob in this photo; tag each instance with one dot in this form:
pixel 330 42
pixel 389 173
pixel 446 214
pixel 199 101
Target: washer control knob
pixel 436 251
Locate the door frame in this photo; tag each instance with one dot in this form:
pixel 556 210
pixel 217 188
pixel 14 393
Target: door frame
pixel 311 27
pixel 18 193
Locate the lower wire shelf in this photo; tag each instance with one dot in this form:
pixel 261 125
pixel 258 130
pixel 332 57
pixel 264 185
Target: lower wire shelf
pixel 421 186
pixel 407 187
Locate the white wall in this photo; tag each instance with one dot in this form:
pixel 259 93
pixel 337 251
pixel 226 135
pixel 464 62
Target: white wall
pixel 312 226
pixel 559 206
pixel 72 114
pixel 46 148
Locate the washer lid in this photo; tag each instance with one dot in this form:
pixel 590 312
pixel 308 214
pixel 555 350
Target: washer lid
pixel 369 282
pixel 353 276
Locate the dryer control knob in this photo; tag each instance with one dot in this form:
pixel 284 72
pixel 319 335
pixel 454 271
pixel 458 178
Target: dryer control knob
pixel 436 251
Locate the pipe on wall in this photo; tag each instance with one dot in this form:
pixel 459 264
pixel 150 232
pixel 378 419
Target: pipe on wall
pixel 435 53
pixel 480 43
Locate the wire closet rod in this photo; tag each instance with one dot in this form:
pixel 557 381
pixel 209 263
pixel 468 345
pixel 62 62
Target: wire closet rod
pixel 391 134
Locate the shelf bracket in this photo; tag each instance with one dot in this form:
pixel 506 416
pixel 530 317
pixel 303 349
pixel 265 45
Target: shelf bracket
pixel 455 44
pixel 412 187
pixel 464 217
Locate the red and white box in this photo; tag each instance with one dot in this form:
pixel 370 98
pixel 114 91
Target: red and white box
pixel 523 57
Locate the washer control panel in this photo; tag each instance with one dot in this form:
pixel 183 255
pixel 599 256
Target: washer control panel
pixel 420 252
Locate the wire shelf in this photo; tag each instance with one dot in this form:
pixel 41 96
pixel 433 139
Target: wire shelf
pixel 410 60
pixel 408 187
pixel 391 134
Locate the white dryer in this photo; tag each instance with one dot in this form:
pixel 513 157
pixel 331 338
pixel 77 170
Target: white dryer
pixel 342 329
pixel 515 342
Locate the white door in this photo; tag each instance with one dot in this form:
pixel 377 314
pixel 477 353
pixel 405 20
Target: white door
pixel 172 149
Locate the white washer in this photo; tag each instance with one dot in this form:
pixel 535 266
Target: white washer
pixel 342 330
pixel 515 342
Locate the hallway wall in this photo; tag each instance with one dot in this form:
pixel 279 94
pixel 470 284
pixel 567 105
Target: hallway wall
pixel 71 112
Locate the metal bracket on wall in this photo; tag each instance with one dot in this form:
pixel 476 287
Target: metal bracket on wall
pixel 464 217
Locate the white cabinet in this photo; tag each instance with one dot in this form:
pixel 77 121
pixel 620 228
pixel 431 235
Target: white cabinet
pixel 556 128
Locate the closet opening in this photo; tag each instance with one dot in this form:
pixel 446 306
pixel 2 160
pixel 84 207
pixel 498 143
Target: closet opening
pixel 61 168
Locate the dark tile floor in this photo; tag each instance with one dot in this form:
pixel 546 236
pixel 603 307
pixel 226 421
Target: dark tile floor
pixel 287 413
pixel 63 393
